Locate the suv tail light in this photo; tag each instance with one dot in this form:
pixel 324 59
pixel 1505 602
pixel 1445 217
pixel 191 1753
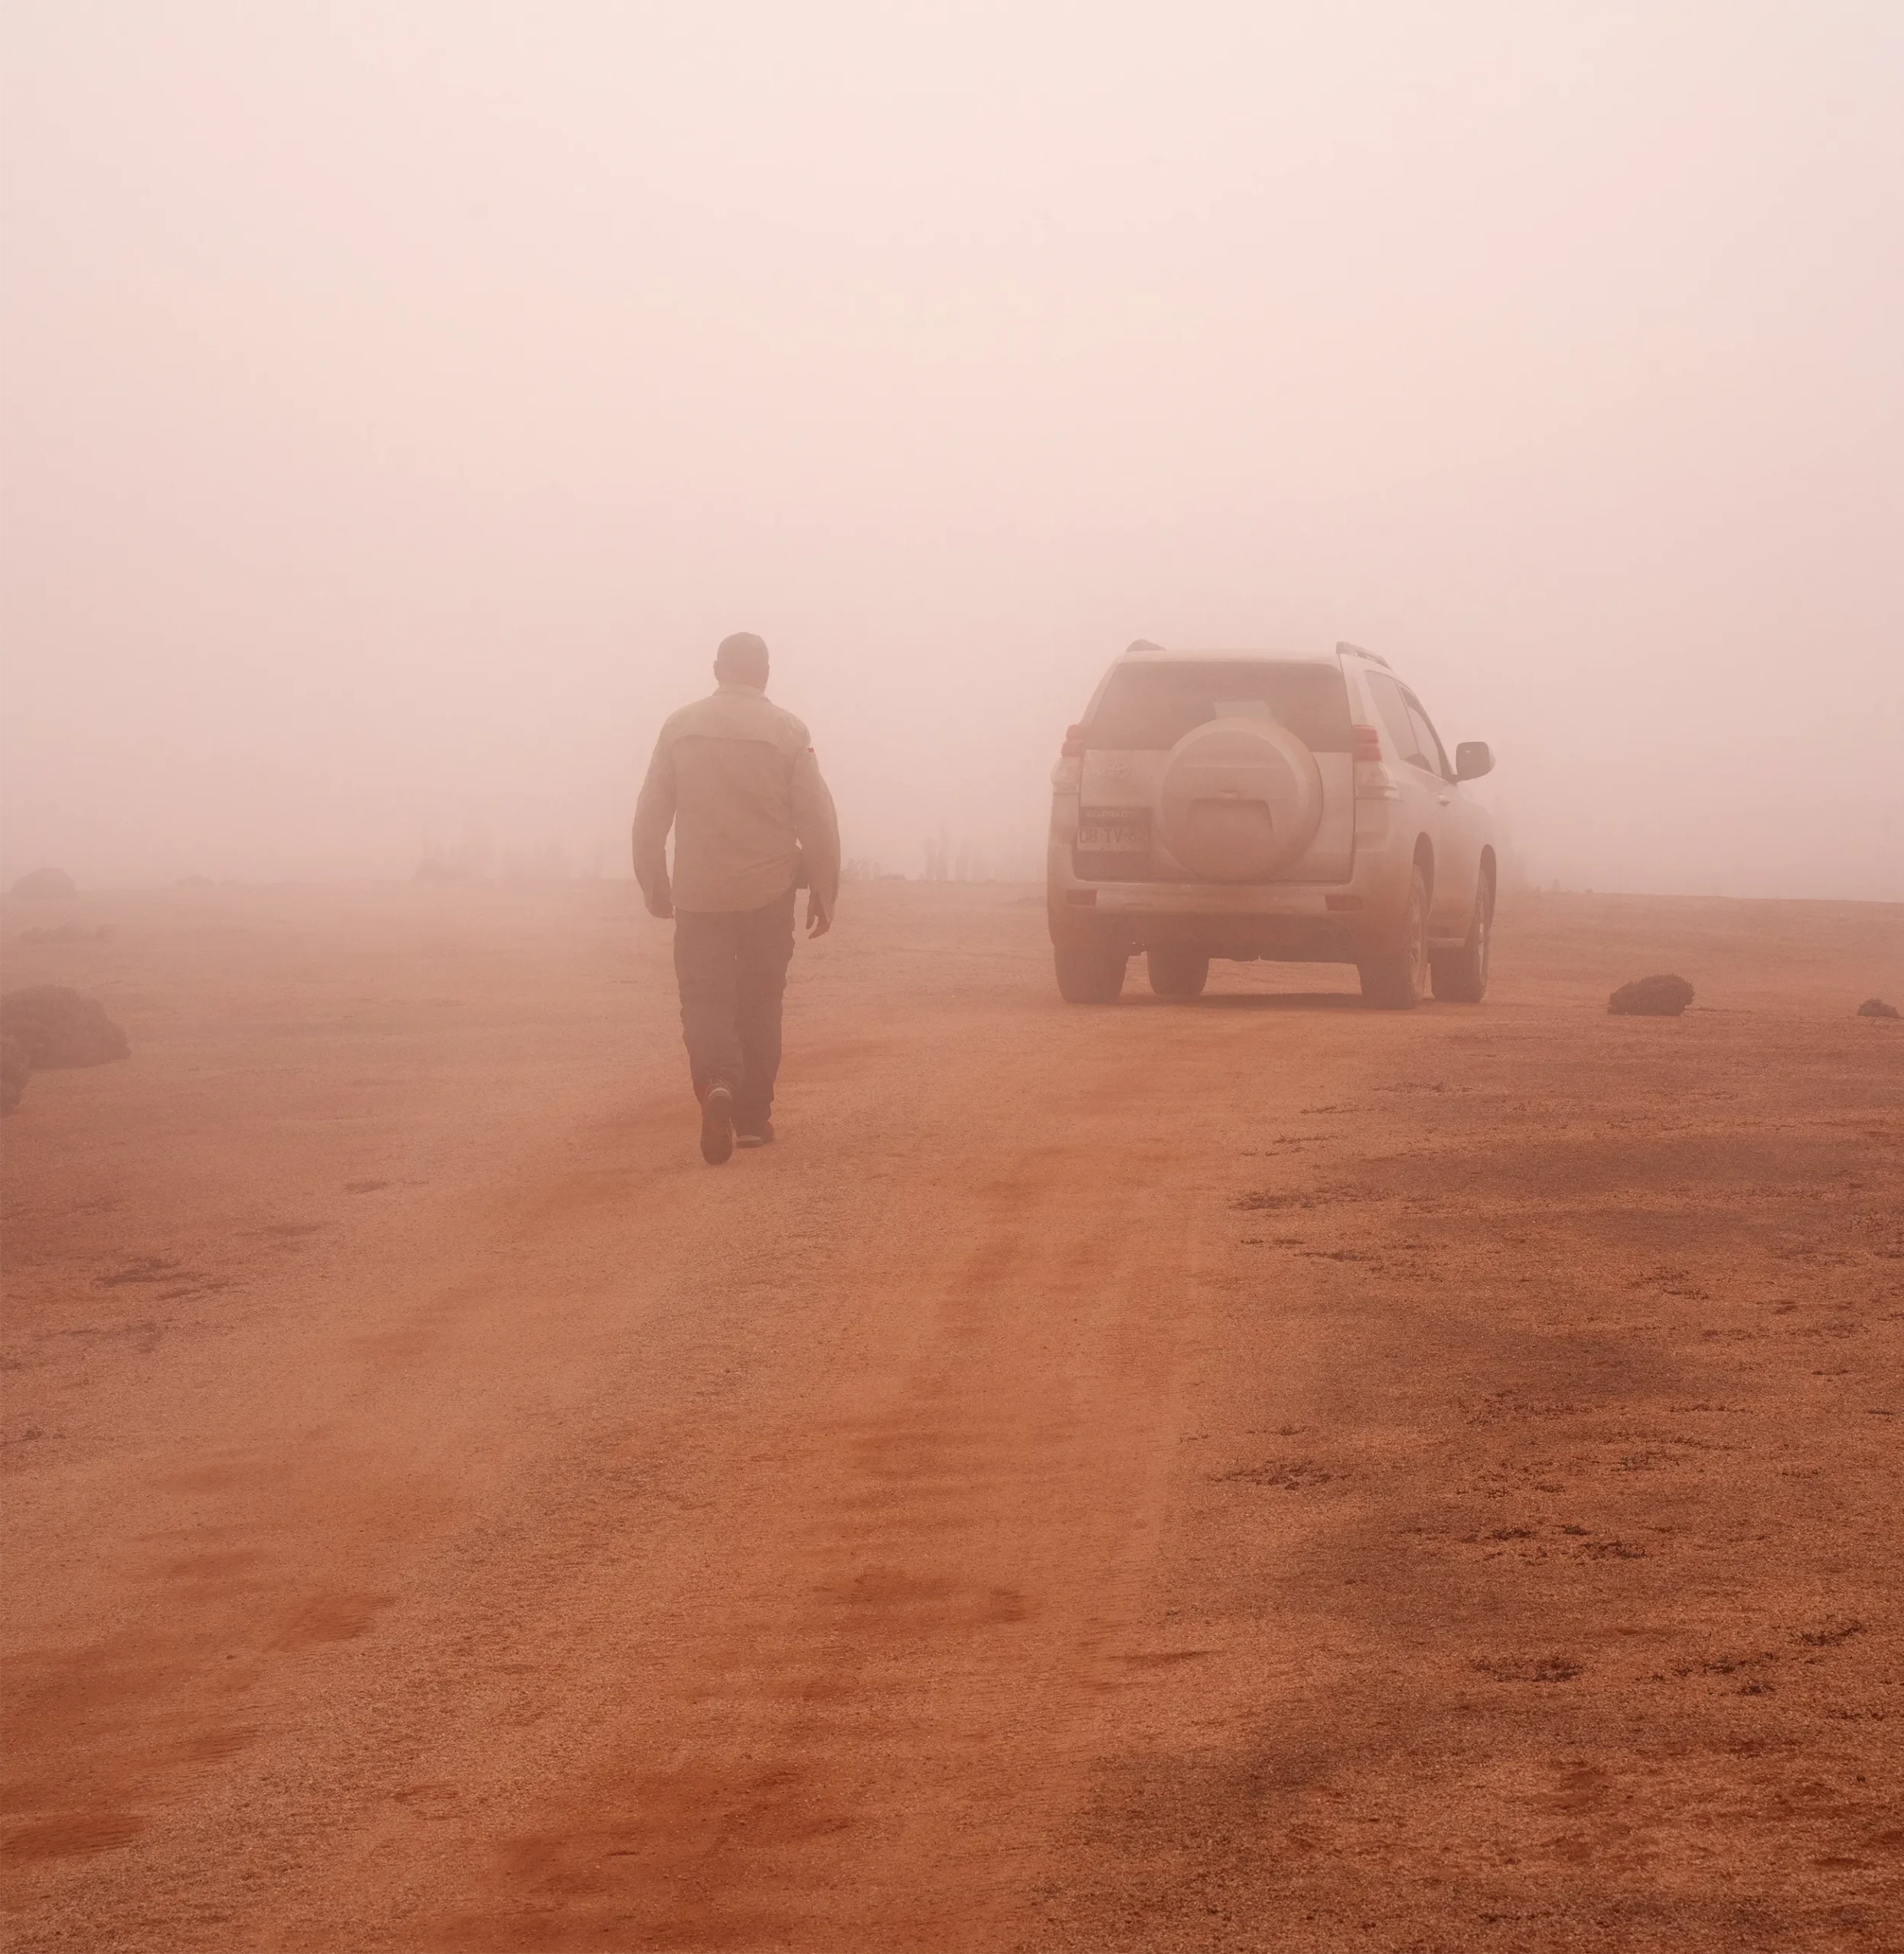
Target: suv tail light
pixel 1073 747
pixel 1373 781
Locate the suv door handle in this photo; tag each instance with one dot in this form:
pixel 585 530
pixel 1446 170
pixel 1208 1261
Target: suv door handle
pixel 1444 798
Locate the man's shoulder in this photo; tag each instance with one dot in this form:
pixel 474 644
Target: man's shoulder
pixel 791 731
pixel 737 715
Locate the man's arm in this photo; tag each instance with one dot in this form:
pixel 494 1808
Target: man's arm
pixel 817 827
pixel 653 816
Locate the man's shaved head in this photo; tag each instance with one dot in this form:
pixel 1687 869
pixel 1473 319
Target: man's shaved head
pixel 741 660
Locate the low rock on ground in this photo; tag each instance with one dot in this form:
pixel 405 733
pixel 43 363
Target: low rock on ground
pixel 56 1026
pixel 15 1069
pixel 1663 996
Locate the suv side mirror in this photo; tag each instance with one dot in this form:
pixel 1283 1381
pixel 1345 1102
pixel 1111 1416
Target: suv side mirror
pixel 1471 759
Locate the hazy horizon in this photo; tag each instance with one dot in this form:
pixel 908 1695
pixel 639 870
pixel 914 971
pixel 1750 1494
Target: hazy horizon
pixel 400 402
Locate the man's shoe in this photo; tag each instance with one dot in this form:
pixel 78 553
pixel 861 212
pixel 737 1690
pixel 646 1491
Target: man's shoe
pixel 717 1126
pixel 754 1136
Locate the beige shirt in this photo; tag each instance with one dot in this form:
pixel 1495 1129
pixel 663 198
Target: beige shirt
pixel 735 777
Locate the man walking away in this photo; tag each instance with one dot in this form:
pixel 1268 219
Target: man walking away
pixel 735 778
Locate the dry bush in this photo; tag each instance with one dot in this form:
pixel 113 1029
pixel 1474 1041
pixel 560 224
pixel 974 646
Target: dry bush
pixel 66 933
pixel 44 885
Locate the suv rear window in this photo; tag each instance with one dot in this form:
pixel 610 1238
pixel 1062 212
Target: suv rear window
pixel 1153 706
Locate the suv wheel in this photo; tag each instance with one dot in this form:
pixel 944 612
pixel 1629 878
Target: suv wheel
pixel 1460 975
pixel 1087 975
pixel 1399 981
pixel 1177 972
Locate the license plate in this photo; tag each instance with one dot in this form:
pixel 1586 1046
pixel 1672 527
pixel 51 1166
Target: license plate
pixel 1114 837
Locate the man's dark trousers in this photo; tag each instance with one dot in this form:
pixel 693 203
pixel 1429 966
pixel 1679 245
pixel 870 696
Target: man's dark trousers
pixel 731 966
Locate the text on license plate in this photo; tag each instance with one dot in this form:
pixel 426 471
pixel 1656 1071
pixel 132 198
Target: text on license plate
pixel 1119 839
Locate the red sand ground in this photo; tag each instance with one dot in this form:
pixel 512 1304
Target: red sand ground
pixel 1252 1474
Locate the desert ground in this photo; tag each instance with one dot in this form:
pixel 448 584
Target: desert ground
pixel 1257 1474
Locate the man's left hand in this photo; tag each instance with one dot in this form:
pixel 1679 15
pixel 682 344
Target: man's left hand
pixel 819 918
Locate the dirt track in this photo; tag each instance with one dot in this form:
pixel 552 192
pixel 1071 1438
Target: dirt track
pixel 1256 1475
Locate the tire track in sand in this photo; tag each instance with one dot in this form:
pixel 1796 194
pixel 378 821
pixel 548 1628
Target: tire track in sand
pixel 914 1612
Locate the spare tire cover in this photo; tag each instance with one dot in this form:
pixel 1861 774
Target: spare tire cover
pixel 1239 799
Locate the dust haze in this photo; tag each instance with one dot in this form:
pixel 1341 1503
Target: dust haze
pixel 402 401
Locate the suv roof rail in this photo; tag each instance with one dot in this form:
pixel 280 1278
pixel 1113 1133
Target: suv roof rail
pixel 1342 645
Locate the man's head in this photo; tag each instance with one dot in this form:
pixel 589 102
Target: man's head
pixel 741 659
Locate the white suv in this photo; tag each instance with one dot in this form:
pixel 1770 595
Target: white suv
pixel 1246 805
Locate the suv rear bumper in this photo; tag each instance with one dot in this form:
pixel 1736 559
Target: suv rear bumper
pixel 1284 922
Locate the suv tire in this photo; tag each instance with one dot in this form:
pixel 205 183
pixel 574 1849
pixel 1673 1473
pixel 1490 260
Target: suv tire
pixel 1177 971
pixel 1399 981
pixel 1088 975
pixel 1460 975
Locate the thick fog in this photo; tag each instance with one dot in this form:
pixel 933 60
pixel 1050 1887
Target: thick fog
pixel 401 400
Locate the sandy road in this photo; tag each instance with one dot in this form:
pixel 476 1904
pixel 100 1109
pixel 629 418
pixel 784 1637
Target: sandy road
pixel 1255 1474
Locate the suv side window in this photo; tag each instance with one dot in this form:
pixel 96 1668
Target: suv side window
pixel 1427 740
pixel 1388 702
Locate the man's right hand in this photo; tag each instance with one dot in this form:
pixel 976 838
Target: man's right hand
pixel 660 906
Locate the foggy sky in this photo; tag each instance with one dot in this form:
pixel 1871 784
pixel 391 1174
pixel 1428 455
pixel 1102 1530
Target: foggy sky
pixel 400 401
